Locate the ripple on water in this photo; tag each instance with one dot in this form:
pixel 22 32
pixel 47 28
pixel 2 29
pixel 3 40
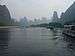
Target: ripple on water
pixel 35 42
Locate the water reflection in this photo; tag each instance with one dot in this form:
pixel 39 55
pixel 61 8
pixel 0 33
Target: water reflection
pixel 4 38
pixel 56 34
pixel 35 42
pixel 71 41
pixel 70 44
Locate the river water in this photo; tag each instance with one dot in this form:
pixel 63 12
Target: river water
pixel 35 42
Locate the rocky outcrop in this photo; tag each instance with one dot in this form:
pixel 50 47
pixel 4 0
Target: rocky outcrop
pixel 69 16
pixel 55 17
pixel 5 17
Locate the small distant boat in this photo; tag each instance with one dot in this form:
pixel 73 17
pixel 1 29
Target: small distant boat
pixel 69 30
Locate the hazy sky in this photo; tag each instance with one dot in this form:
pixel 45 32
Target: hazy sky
pixel 37 8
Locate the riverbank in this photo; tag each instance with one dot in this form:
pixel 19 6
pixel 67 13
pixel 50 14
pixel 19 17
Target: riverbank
pixel 9 26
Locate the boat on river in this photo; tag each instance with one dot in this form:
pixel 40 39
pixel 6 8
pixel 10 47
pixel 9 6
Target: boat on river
pixel 69 30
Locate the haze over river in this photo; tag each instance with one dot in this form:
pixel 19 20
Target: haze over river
pixel 35 42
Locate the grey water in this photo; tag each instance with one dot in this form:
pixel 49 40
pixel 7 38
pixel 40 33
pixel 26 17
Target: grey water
pixel 35 42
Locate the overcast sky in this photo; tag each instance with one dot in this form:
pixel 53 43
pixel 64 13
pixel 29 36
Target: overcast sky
pixel 36 8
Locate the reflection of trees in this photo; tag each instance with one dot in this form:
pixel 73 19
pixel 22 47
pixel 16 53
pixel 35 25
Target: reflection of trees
pixel 70 42
pixel 4 37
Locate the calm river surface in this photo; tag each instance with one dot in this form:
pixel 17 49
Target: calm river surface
pixel 35 42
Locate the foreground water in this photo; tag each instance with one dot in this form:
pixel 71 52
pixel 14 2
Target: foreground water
pixel 35 42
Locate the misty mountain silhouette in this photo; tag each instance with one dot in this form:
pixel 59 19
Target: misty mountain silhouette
pixel 69 15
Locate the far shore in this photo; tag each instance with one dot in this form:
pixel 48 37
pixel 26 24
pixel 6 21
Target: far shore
pixel 9 26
